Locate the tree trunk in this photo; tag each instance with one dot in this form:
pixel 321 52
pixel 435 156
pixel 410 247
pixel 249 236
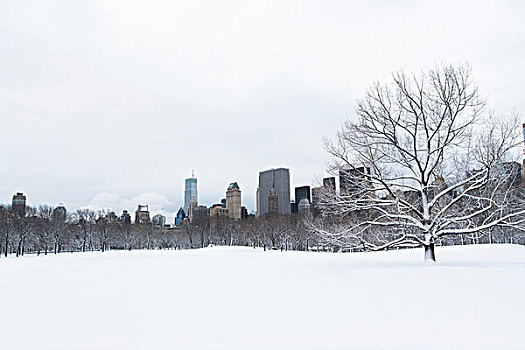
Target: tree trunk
pixel 429 252
pixel 6 245
pixel 19 248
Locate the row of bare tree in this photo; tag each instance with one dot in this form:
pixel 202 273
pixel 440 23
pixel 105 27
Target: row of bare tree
pixel 85 230
pixel 40 232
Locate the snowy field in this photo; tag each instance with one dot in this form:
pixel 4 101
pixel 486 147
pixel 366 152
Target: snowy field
pixel 241 298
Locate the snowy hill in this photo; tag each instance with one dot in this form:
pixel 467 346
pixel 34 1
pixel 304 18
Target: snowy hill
pixel 241 298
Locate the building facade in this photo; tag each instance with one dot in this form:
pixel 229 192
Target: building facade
pixel 59 214
pixel 279 180
pixel 190 192
pixel 302 192
pixel 125 217
pixel 233 201
pixel 200 216
pixel 179 219
pixel 142 215
pixel 19 204
pixel 219 216
pixel 158 220
pixel 351 179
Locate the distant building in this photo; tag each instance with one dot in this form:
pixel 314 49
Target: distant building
pixel 158 220
pixel 142 215
pixel 304 205
pixel 302 192
pixel 112 217
pixel 218 216
pixel 125 217
pixel 179 219
pixel 233 201
pixel 200 216
pixel 190 192
pixel 279 180
pixel 193 205
pixel 293 207
pixel 19 204
pixel 352 178
pixel 317 194
pixel 329 184
pixel 59 214
pixel 244 213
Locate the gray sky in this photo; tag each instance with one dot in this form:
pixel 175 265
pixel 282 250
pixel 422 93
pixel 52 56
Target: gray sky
pixel 113 103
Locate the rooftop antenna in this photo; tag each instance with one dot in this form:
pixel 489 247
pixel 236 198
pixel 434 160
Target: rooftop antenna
pixel 193 173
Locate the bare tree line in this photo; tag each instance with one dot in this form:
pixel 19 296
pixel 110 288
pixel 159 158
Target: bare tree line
pixel 38 232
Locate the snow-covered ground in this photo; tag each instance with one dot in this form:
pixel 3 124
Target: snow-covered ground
pixel 241 298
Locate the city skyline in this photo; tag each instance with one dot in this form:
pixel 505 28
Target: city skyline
pixel 112 104
pixel 131 205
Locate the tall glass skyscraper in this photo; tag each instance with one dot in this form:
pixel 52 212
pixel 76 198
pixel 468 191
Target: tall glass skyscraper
pixel 190 190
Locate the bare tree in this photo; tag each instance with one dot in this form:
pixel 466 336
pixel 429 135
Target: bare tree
pixel 413 170
pixel 45 232
pixel 86 220
pixel 7 227
pixel 104 229
pixel 23 227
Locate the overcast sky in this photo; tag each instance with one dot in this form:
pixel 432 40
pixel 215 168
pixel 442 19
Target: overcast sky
pixel 109 104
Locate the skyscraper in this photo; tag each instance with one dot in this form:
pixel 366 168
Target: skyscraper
pixel 279 180
pixel 125 217
pixel 142 215
pixel 158 220
pixel 352 178
pixel 190 190
pixel 181 215
pixel 59 213
pixel 19 204
pixel 302 192
pixel 233 201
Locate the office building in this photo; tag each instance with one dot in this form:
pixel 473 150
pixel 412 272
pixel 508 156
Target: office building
pixel 179 219
pixel 125 217
pixel 59 214
pixel 190 192
pixel 218 216
pixel 304 205
pixel 293 207
pixel 158 220
pixel 111 217
pixel 244 213
pixel 302 192
pixel 279 181
pixel 317 195
pixel 351 179
pixel 233 201
pixel 19 204
pixel 142 215
pixel 200 216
